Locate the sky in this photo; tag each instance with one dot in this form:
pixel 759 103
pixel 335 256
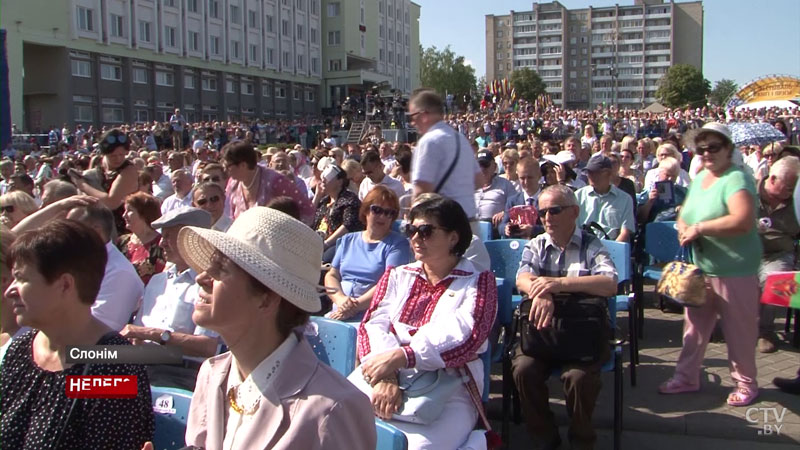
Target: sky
pixel 743 39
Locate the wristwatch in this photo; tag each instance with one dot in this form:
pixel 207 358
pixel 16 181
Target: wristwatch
pixel 166 335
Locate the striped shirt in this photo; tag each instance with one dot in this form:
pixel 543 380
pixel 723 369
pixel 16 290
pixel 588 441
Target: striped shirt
pixel 584 255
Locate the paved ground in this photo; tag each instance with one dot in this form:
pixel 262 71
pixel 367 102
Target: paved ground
pixel 687 421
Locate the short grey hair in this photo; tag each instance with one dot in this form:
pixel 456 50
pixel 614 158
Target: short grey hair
pixel 562 192
pixel 60 189
pixel 786 168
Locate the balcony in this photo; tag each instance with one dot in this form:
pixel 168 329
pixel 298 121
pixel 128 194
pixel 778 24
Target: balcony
pixel 550 21
pixel 520 34
pixel 531 45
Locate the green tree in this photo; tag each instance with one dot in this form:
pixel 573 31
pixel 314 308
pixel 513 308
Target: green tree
pixel 723 90
pixel 445 72
pixel 527 84
pixel 683 85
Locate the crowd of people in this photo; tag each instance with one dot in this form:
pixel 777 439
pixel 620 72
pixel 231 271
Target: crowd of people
pixel 193 236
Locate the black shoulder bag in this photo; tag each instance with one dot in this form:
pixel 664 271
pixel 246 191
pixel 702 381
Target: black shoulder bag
pixel 452 165
pixel 580 330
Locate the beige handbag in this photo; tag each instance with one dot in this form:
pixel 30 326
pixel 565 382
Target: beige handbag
pixel 683 282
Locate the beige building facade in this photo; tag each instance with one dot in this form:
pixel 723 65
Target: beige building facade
pixel 594 56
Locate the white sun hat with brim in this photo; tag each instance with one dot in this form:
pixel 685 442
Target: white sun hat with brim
pixel 279 251
pixel 712 127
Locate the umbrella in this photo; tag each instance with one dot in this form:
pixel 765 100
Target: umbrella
pixel 744 133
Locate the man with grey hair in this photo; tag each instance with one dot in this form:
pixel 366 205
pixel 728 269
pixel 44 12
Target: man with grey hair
pixel 564 259
pixel 182 185
pixel 779 230
pixel 56 190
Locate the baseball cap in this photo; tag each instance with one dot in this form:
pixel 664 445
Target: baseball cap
pixel 485 155
pixel 598 162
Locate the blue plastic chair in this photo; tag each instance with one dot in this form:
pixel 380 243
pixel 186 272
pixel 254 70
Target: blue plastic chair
pixel 620 253
pixel 389 437
pixel 334 344
pixel 485 229
pixel 661 243
pixel 171 410
pixel 505 255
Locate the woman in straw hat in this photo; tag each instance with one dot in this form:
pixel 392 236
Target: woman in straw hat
pixel 257 284
pixel 433 314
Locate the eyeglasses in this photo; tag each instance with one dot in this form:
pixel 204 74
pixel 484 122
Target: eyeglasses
pixel 7 209
pixel 425 230
pixel 713 148
pixel 768 155
pixel 203 201
pixel 377 210
pixel 554 210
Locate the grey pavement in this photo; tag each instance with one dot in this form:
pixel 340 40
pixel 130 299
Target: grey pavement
pixel 686 421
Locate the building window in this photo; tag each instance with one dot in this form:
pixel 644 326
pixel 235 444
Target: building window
pixel 141 116
pixel 314 65
pixel 310 96
pixel 214 45
pixel 194 41
pixel 314 6
pixel 83 113
pixel 85 19
pixel 301 5
pixel 280 92
pixel 230 88
pixel 140 75
pixel 269 24
pixel 110 72
pixel 169 37
pixel 334 37
pixel 188 82
pixel 209 84
pixel 265 88
pixel 334 9
pixel 213 8
pixel 247 88
pixel 300 62
pixel 287 58
pixel 300 30
pixel 296 94
pixel 380 30
pixel 285 27
pixel 313 36
pixel 270 56
pixel 191 5
pixel 144 31
pixel 81 68
pixel 380 55
pixel 335 65
pixel 499 34
pixel 165 78
pixel 113 115
pixel 170 3
pixel 236 15
pixel 117 26
pixel 252 19
pixel 236 49
pixel 253 53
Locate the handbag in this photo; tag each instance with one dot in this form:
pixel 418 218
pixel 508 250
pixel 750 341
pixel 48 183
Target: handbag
pixel 683 282
pixel 580 330
pixel 425 392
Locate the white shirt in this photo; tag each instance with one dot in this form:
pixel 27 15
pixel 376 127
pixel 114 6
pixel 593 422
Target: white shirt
pixel 168 302
pixel 120 291
pixel 175 202
pixel 250 391
pixel 367 184
pixel 162 188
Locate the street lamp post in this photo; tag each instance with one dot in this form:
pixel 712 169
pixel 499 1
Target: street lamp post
pixel 614 73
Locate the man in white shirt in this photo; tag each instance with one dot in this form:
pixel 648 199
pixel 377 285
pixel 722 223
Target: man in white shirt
pixel 387 156
pixel 182 184
pixel 122 288
pixel 162 185
pixel 176 123
pixel 491 197
pixel 374 174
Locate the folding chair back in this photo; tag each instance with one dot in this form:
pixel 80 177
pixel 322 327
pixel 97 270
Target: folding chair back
pixel 171 409
pixel 334 342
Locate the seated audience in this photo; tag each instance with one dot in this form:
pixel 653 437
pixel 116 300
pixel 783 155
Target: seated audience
pixel 407 327
pixel 56 190
pixel 57 272
pixel 9 328
pixel 653 206
pixel 494 192
pixel 210 197
pixel 142 245
pixel 605 203
pixel 15 206
pixel 182 187
pixel 519 226
pixel 563 259
pixel 362 257
pixel 374 175
pixel 337 211
pixel 257 288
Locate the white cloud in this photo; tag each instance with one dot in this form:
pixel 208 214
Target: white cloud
pixel 468 62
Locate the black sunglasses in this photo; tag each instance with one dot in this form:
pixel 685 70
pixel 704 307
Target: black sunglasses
pixel 7 209
pixel 554 210
pixel 203 201
pixel 377 210
pixel 425 230
pixel 713 148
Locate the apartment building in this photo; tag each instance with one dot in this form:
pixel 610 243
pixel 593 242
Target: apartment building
pixel 367 43
pixel 592 56
pixel 106 62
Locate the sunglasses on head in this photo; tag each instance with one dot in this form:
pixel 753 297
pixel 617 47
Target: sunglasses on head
pixel 713 148
pixel 116 139
pixel 554 210
pixel 425 230
pixel 377 210
pixel 7 209
pixel 203 201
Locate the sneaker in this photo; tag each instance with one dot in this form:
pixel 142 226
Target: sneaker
pixel 788 385
pixel 766 345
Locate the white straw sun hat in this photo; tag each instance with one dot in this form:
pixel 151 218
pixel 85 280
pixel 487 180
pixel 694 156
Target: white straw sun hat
pixel 279 251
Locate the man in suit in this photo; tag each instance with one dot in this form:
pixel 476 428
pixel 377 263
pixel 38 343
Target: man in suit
pixel 529 174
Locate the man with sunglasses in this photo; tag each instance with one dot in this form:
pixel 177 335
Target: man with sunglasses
pixel 210 197
pixel 564 259
pixel 436 153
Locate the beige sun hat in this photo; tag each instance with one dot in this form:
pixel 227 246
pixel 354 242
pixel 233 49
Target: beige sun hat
pixel 279 251
pixel 712 127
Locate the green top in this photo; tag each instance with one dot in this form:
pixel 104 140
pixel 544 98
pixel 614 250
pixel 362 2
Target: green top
pixel 734 256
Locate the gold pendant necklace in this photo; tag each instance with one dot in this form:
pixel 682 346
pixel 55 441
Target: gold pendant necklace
pixel 246 410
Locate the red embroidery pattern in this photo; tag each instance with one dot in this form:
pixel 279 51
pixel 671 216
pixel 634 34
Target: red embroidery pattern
pixel 483 316
pixel 377 297
pixel 410 357
pixel 422 301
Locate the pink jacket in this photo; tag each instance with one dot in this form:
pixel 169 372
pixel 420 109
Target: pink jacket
pixel 308 406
